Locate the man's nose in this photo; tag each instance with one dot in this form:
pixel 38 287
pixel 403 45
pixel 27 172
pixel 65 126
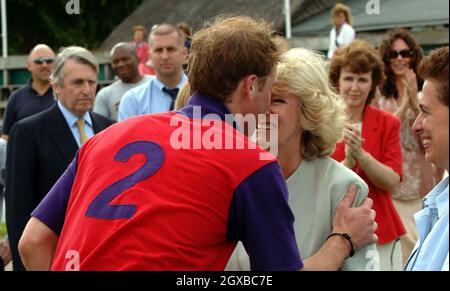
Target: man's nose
pixel 86 87
pixel 165 54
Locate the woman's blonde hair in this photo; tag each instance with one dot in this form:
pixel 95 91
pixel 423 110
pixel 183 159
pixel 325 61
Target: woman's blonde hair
pixel 322 115
pixel 182 96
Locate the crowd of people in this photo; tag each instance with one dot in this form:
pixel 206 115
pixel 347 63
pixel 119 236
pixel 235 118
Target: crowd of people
pixel 94 182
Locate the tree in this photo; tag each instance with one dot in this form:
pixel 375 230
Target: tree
pixel 31 22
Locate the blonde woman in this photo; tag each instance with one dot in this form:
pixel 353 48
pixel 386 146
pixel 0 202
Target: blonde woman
pixel 311 118
pixel 182 96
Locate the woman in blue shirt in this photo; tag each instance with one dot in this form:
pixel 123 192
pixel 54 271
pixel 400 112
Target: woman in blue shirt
pixel 431 251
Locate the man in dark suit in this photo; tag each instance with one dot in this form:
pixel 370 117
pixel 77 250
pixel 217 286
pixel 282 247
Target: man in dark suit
pixel 41 147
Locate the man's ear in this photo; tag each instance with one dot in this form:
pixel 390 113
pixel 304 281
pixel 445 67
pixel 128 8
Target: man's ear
pixel 250 86
pixel 56 90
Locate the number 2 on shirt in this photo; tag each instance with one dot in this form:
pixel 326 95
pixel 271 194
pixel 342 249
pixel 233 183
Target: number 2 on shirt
pixel 100 207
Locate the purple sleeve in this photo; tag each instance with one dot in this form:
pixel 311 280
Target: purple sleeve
pixel 52 209
pixel 260 217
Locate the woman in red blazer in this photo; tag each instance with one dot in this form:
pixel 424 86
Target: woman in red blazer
pixel 371 142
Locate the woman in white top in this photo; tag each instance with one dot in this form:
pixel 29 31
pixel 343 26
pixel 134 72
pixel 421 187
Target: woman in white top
pixel 311 118
pixel 342 32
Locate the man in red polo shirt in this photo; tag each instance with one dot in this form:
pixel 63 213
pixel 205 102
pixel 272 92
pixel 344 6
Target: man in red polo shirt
pixel 132 200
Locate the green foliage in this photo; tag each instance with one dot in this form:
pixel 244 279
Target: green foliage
pixel 31 22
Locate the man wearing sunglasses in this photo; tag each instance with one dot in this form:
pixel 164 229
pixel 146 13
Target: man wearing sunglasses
pixel 37 95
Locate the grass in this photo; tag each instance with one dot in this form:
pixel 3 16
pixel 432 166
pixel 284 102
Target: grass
pixel 2 230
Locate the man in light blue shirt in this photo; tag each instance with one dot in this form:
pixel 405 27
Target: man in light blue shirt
pixel 167 54
pixel 431 250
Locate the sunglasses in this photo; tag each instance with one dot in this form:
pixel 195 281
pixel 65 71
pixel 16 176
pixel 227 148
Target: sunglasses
pixel 403 53
pixel 40 61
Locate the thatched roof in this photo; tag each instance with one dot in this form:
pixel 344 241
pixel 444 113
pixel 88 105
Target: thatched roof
pixel 195 12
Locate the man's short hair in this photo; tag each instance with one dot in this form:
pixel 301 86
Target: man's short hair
pixel 123 45
pixel 39 46
pixel 166 29
pixel 79 55
pixel 435 67
pixel 229 49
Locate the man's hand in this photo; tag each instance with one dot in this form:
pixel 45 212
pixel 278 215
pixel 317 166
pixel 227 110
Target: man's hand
pixel 5 252
pixel 359 222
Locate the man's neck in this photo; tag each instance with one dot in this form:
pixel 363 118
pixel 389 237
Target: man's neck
pixel 136 79
pixel 170 81
pixel 40 87
pixel 233 107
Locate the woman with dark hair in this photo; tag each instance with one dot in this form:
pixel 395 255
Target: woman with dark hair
pixel 401 55
pixel 431 250
pixel 371 141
